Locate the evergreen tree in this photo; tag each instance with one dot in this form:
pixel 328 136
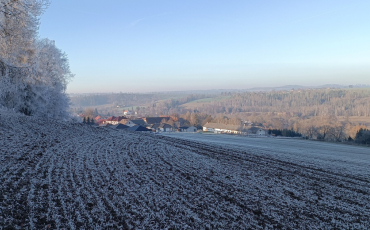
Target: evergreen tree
pixel 363 136
pixel 84 121
pixel 88 121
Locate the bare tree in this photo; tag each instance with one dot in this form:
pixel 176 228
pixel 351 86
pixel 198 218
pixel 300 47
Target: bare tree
pixel 338 132
pixel 311 130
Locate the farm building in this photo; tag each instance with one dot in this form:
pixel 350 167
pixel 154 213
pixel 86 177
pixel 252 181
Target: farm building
pixel 115 120
pixel 161 127
pixel 153 127
pixel 257 131
pixel 128 113
pixel 120 126
pixel 138 128
pixel 155 120
pixel 221 128
pixel 135 122
pixel 190 129
pixel 98 118
pixel 165 128
pixel 234 129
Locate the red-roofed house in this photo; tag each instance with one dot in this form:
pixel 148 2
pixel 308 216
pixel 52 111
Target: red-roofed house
pixel 114 120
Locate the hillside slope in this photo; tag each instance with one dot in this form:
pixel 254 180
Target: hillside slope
pixel 63 175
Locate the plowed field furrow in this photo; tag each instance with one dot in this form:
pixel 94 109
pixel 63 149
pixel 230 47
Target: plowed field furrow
pixel 292 169
pixel 56 175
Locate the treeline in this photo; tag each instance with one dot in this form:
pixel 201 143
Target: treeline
pixel 362 137
pixel 284 133
pixel 88 121
pixel 296 103
pixel 34 73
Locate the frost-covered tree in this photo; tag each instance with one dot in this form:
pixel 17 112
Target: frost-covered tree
pixel 53 70
pixel 33 73
pixel 19 22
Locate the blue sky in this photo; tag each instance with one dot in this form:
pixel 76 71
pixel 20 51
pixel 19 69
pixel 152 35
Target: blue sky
pixel 146 46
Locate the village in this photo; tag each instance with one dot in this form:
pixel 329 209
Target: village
pixel 165 124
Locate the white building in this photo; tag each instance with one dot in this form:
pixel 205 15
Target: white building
pixel 128 113
pixel 221 128
pixel 234 129
pixel 258 131
pixel 190 129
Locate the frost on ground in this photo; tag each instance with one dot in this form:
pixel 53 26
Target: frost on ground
pixel 62 175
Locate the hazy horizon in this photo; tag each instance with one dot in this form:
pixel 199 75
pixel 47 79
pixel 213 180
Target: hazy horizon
pixel 145 46
pixel 267 88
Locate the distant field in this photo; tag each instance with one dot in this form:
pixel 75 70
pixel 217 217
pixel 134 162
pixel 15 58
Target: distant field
pixel 94 106
pixel 172 97
pixel 197 103
pixel 111 105
pixel 137 102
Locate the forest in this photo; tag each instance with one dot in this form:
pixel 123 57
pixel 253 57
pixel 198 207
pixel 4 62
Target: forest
pixel 298 103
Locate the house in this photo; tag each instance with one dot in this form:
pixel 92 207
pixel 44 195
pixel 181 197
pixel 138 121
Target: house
pixel 129 123
pixel 165 128
pixel 100 122
pixel 261 132
pixel 139 122
pixel 154 127
pixel 160 127
pixel 99 118
pixel 138 128
pixel 135 122
pixel 119 126
pixel 155 120
pixel 110 119
pixel 190 129
pixel 222 128
pixel 128 113
pixel 256 131
pixel 115 120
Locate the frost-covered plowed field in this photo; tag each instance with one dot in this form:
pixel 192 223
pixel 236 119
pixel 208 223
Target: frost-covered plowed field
pixel 60 175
